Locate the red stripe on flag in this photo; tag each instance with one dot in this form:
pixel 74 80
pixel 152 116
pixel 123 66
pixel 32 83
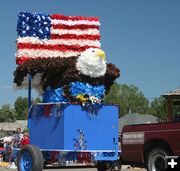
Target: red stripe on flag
pixel 79 26
pixel 61 47
pixel 22 59
pixel 74 36
pixel 73 18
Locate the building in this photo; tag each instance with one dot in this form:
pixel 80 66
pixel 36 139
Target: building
pixel 7 128
pixel 136 118
pixel 173 104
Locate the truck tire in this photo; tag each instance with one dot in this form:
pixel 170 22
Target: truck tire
pixel 30 158
pixel 156 160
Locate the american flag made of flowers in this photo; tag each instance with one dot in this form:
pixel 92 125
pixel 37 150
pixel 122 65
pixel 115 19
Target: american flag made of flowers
pixel 56 35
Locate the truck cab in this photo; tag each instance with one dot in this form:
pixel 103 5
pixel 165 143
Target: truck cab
pixel 148 144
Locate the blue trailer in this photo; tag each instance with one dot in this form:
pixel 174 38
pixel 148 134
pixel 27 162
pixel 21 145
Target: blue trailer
pixel 66 131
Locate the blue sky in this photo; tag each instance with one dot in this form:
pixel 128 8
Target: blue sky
pixel 141 37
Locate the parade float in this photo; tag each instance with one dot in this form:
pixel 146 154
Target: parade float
pixel 61 58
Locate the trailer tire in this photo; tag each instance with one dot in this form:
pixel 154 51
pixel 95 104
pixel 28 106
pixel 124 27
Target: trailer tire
pixel 30 158
pixel 117 165
pixel 105 166
pixel 156 160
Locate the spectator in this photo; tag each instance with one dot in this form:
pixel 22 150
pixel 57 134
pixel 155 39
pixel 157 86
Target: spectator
pixel 8 148
pixel 11 143
pixel 25 139
pixel 17 137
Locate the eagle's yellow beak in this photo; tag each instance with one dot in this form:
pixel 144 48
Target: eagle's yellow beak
pixel 100 53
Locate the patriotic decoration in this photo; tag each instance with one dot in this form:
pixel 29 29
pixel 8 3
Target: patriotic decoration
pixel 64 58
pixel 56 35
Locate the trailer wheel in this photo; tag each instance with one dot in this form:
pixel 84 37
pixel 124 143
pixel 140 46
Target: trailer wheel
pixel 116 165
pixel 105 166
pixel 156 160
pixel 30 158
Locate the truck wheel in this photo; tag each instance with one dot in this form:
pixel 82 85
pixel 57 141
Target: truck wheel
pixel 156 160
pixel 30 158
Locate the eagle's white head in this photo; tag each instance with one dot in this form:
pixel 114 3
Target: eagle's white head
pixel 92 62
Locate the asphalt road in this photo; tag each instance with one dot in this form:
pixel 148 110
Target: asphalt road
pixel 70 169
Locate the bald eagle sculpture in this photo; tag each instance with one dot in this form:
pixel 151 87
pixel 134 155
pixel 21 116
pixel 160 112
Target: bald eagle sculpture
pixel 61 74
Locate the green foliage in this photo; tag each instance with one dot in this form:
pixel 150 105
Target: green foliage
pixel 25 130
pixel 176 110
pixel 21 107
pixel 129 98
pixel 158 108
pixel 37 100
pixel 7 114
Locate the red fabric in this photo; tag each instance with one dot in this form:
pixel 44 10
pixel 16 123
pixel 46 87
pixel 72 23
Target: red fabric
pixel 54 156
pixel 47 110
pixel 79 26
pixel 24 141
pixel 60 47
pixel 77 37
pixel 84 157
pixel 73 18
pixel 21 60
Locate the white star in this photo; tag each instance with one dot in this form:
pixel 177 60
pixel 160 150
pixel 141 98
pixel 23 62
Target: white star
pixel 27 27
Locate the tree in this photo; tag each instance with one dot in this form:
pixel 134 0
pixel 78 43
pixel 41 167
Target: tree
pixel 158 108
pixel 129 98
pixel 36 100
pixel 7 114
pixel 21 107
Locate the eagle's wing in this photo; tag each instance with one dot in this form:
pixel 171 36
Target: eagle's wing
pixel 51 70
pixel 112 72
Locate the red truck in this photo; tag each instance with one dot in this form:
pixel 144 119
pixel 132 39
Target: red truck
pixel 148 144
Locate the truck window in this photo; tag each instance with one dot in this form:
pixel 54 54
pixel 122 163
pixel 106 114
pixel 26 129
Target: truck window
pixel 176 110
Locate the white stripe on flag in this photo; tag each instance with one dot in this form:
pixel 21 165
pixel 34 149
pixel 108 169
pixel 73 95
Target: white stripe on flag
pixel 75 31
pixel 81 43
pixel 77 22
pixel 35 53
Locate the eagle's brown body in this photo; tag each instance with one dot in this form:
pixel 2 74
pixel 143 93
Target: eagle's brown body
pixel 59 72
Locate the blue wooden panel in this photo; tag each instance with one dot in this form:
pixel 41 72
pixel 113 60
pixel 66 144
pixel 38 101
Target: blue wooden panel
pixel 97 132
pixel 47 133
pixel 73 128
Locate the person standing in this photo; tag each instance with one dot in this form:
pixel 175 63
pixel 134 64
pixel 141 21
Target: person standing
pixel 25 139
pixel 17 137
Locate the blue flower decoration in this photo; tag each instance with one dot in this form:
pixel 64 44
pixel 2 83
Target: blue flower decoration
pixel 77 88
pixel 54 95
